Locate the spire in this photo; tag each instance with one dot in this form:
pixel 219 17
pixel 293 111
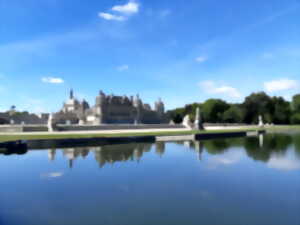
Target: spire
pixel 71 94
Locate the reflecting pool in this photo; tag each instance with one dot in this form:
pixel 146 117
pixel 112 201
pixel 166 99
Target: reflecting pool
pixel 236 181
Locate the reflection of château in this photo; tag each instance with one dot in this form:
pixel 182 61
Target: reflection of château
pixel 110 109
pixel 109 154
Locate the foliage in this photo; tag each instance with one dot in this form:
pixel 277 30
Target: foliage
pixel 258 104
pixel 296 103
pixel 233 115
pixel 282 111
pixel 273 110
pixel 213 110
pixel 295 119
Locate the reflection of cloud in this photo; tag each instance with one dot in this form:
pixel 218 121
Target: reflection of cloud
pixel 52 175
pixel 227 159
pixel 285 164
pixel 205 194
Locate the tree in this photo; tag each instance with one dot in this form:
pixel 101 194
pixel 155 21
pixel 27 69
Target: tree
pixel 258 104
pixel 296 103
pixel 213 110
pixel 282 111
pixel 233 115
pixel 178 114
pixel 295 119
pixel 177 118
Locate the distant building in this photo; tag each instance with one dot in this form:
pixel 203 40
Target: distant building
pixel 110 109
pixel 14 117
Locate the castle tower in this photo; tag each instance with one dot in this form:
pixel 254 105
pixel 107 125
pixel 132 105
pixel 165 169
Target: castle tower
pixel 100 108
pixel 137 103
pixel 160 107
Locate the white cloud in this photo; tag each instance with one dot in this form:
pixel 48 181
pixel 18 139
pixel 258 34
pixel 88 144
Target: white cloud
pixel 53 80
pixel 123 11
pixel 129 8
pixel 211 87
pixel 123 68
pixel 280 85
pixel 201 59
pixel 108 16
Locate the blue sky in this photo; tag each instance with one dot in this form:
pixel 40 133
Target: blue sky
pixel 181 51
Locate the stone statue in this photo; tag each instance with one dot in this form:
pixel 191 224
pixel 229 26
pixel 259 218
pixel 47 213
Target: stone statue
pixel 51 124
pixel 187 122
pixel 81 122
pixel 198 120
pixel 260 121
pixel 171 122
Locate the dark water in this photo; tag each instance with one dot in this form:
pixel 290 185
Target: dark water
pixel 226 181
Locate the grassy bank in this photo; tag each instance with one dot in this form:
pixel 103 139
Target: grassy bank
pixel 25 136
pixel 283 128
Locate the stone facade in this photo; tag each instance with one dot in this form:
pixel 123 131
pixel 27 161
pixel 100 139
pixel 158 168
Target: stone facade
pixel 110 109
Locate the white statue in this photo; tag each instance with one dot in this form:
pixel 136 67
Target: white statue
pixel 187 122
pixel 198 120
pixel 260 121
pixel 50 123
pixel 171 122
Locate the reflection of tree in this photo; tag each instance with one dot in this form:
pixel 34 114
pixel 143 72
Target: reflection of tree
pixel 258 148
pixel 272 144
pixel 296 140
pixel 251 145
pixel 217 146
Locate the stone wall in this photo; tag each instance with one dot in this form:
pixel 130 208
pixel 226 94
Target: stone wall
pixel 43 128
pixel 22 128
pixel 117 127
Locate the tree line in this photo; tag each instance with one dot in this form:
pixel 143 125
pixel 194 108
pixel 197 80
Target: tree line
pixel 273 110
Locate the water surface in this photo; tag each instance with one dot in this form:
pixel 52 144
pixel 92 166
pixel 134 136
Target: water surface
pixel 239 181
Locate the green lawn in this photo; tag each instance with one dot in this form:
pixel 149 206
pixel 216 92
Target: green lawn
pixel 284 128
pixel 25 136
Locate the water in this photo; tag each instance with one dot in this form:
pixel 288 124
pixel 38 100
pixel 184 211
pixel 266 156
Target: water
pixel 235 181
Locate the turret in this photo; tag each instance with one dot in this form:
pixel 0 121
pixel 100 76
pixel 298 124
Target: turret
pixel 71 94
pixel 137 102
pixel 160 107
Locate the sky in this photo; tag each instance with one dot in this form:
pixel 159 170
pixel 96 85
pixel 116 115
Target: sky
pixel 182 51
